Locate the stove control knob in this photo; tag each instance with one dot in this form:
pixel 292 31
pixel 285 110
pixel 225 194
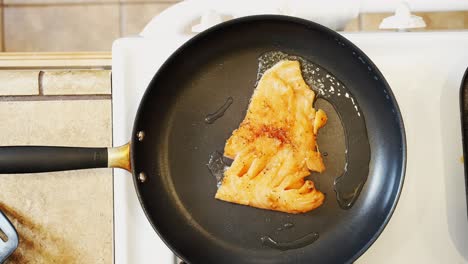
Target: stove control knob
pixel 208 19
pixel 403 19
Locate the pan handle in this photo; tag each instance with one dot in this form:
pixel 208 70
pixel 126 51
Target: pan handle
pixel 31 159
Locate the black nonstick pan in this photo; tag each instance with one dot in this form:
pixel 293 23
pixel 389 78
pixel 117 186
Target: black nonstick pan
pixel 464 121
pixel 172 143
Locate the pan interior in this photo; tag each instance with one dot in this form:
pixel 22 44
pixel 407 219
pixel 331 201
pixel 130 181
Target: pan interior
pixel 178 196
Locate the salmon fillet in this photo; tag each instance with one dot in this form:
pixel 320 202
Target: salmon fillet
pixel 275 147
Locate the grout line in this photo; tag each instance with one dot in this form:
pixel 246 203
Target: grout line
pixel 121 20
pixel 360 22
pixel 104 67
pixel 113 181
pixel 40 78
pixel 2 28
pixel 26 98
pixel 111 88
pixel 25 5
pixel 149 2
pixel 55 4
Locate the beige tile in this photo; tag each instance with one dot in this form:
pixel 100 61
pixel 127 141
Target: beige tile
pixel 454 20
pixel 41 2
pixel 445 20
pixel 1 28
pixel 352 25
pixel 19 82
pixel 76 82
pixel 61 28
pixel 136 16
pixel 62 217
pixel 63 60
pixel 371 21
pixel 77 122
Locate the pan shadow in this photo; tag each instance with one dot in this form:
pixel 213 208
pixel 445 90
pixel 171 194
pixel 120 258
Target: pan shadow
pixel 36 243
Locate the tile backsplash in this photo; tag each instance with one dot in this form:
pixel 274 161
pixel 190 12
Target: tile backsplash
pixel 61 27
pixel 449 20
pixel 135 16
pixel 92 25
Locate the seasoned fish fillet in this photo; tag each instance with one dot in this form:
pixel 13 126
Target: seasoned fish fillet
pixel 275 147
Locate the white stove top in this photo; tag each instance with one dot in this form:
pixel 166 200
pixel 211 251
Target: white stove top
pixel 424 71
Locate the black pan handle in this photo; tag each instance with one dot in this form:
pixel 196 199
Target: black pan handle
pixel 31 159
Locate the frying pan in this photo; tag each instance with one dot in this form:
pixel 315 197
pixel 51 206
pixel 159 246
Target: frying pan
pixel 171 144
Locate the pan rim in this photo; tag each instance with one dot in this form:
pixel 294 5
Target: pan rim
pixel 302 22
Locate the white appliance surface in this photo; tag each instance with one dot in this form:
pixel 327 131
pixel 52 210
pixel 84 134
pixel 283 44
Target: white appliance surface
pixel 424 71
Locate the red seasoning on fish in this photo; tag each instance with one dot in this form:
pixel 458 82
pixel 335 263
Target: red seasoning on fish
pixel 275 146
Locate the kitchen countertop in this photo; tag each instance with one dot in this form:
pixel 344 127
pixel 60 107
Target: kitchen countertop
pixel 58 99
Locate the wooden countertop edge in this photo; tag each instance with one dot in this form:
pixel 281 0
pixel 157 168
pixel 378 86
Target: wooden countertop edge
pixel 28 60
